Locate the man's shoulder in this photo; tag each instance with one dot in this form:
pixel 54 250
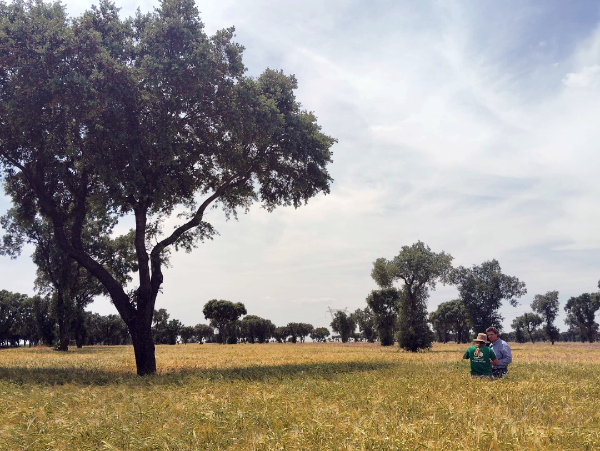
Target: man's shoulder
pixel 503 343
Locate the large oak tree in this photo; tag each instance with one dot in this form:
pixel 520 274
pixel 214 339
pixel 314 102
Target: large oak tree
pixel 147 117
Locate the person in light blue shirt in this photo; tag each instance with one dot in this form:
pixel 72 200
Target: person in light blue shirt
pixel 502 351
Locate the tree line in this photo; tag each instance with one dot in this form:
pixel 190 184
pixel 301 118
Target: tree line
pixel 400 313
pixel 35 321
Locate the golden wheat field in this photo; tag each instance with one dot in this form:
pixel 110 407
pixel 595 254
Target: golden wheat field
pixel 298 397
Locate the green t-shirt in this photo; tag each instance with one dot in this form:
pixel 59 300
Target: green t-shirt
pixel 480 364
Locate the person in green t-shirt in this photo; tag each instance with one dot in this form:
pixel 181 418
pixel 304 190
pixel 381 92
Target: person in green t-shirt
pixel 482 358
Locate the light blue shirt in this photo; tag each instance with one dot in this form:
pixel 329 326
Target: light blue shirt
pixel 503 354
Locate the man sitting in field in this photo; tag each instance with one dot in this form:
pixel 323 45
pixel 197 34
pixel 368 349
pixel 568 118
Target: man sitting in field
pixel 502 351
pixel 481 358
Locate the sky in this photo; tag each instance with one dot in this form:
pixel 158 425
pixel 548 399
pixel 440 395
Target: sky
pixel 471 126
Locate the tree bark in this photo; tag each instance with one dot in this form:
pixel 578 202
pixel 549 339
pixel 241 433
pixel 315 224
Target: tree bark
pixel 143 347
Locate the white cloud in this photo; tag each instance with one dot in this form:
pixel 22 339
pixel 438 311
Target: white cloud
pixel 588 77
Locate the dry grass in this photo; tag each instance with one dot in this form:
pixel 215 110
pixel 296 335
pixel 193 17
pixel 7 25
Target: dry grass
pixel 310 396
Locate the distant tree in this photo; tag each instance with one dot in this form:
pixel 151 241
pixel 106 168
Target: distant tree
pixel 449 317
pixel 27 326
pixel 222 314
pixel 43 319
pixel 385 304
pixel 365 319
pixel 281 334
pixel 299 331
pixel 419 269
pixel 172 332
pixel 9 315
pixel 186 333
pixel 319 334
pixel 581 313
pixel 482 289
pixel 204 332
pixel 519 330
pixel 546 305
pixel 456 314
pixel 440 323
pixel 265 331
pixel 528 322
pixel 256 329
pixel 111 330
pixel 343 324
pixel 160 325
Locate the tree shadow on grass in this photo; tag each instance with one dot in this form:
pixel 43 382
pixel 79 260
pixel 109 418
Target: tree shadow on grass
pixel 259 373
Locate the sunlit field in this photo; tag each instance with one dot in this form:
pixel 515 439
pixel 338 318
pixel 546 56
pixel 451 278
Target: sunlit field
pixel 298 396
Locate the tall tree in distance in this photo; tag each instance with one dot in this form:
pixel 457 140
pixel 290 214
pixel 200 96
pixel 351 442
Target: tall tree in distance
pixel 344 325
pixel 203 332
pixel 254 328
pixel 528 322
pixel 482 289
pixel 581 312
pixel 223 315
pixel 419 269
pixel 385 304
pixel 365 319
pixel 546 305
pixel 319 334
pixel 144 117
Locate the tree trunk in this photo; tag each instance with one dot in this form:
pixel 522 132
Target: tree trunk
pixel 143 348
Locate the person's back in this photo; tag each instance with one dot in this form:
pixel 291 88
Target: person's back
pixel 481 358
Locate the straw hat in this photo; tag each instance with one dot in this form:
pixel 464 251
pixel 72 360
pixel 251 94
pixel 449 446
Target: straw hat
pixel 482 337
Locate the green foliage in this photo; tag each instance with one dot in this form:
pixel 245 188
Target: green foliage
pixel 299 331
pixel 450 317
pixel 546 305
pixel 581 312
pixel 104 116
pixel 281 334
pixel 365 319
pixel 186 333
pixel 344 325
pixel 10 315
pixel 319 334
pixel 419 269
pixel 413 332
pixel 256 329
pixel 528 322
pixel 385 304
pixel 204 332
pixel 482 289
pixel 222 315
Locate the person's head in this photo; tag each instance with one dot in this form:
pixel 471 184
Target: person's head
pixel 480 340
pixel 492 333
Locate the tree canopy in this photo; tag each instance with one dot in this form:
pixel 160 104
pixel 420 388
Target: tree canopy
pixel 482 289
pixel 222 314
pixel 146 116
pixel 343 324
pixel 581 312
pixel 546 305
pixel 419 269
